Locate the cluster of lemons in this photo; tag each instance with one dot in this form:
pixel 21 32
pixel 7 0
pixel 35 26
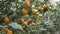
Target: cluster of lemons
pixel 27 4
pixel 24 12
pixel 28 21
pixel 8 31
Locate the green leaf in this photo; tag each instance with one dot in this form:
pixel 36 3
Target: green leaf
pixel 16 26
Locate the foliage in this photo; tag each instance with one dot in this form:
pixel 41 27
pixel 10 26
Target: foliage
pixel 34 21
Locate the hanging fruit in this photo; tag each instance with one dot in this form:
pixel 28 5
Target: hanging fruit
pixel 28 20
pixel 24 11
pixel 39 8
pixel 21 20
pixel 49 7
pixel 33 12
pixel 25 23
pixel 9 32
pixel 32 24
pixel 27 3
pixel 23 26
pixel 6 20
pixel 40 15
pixel 44 7
pixel 5 29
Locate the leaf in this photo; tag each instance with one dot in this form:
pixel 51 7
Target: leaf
pixel 54 2
pixel 0 33
pixel 16 26
pixel 1 26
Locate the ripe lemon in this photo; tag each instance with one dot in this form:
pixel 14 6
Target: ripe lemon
pixel 24 11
